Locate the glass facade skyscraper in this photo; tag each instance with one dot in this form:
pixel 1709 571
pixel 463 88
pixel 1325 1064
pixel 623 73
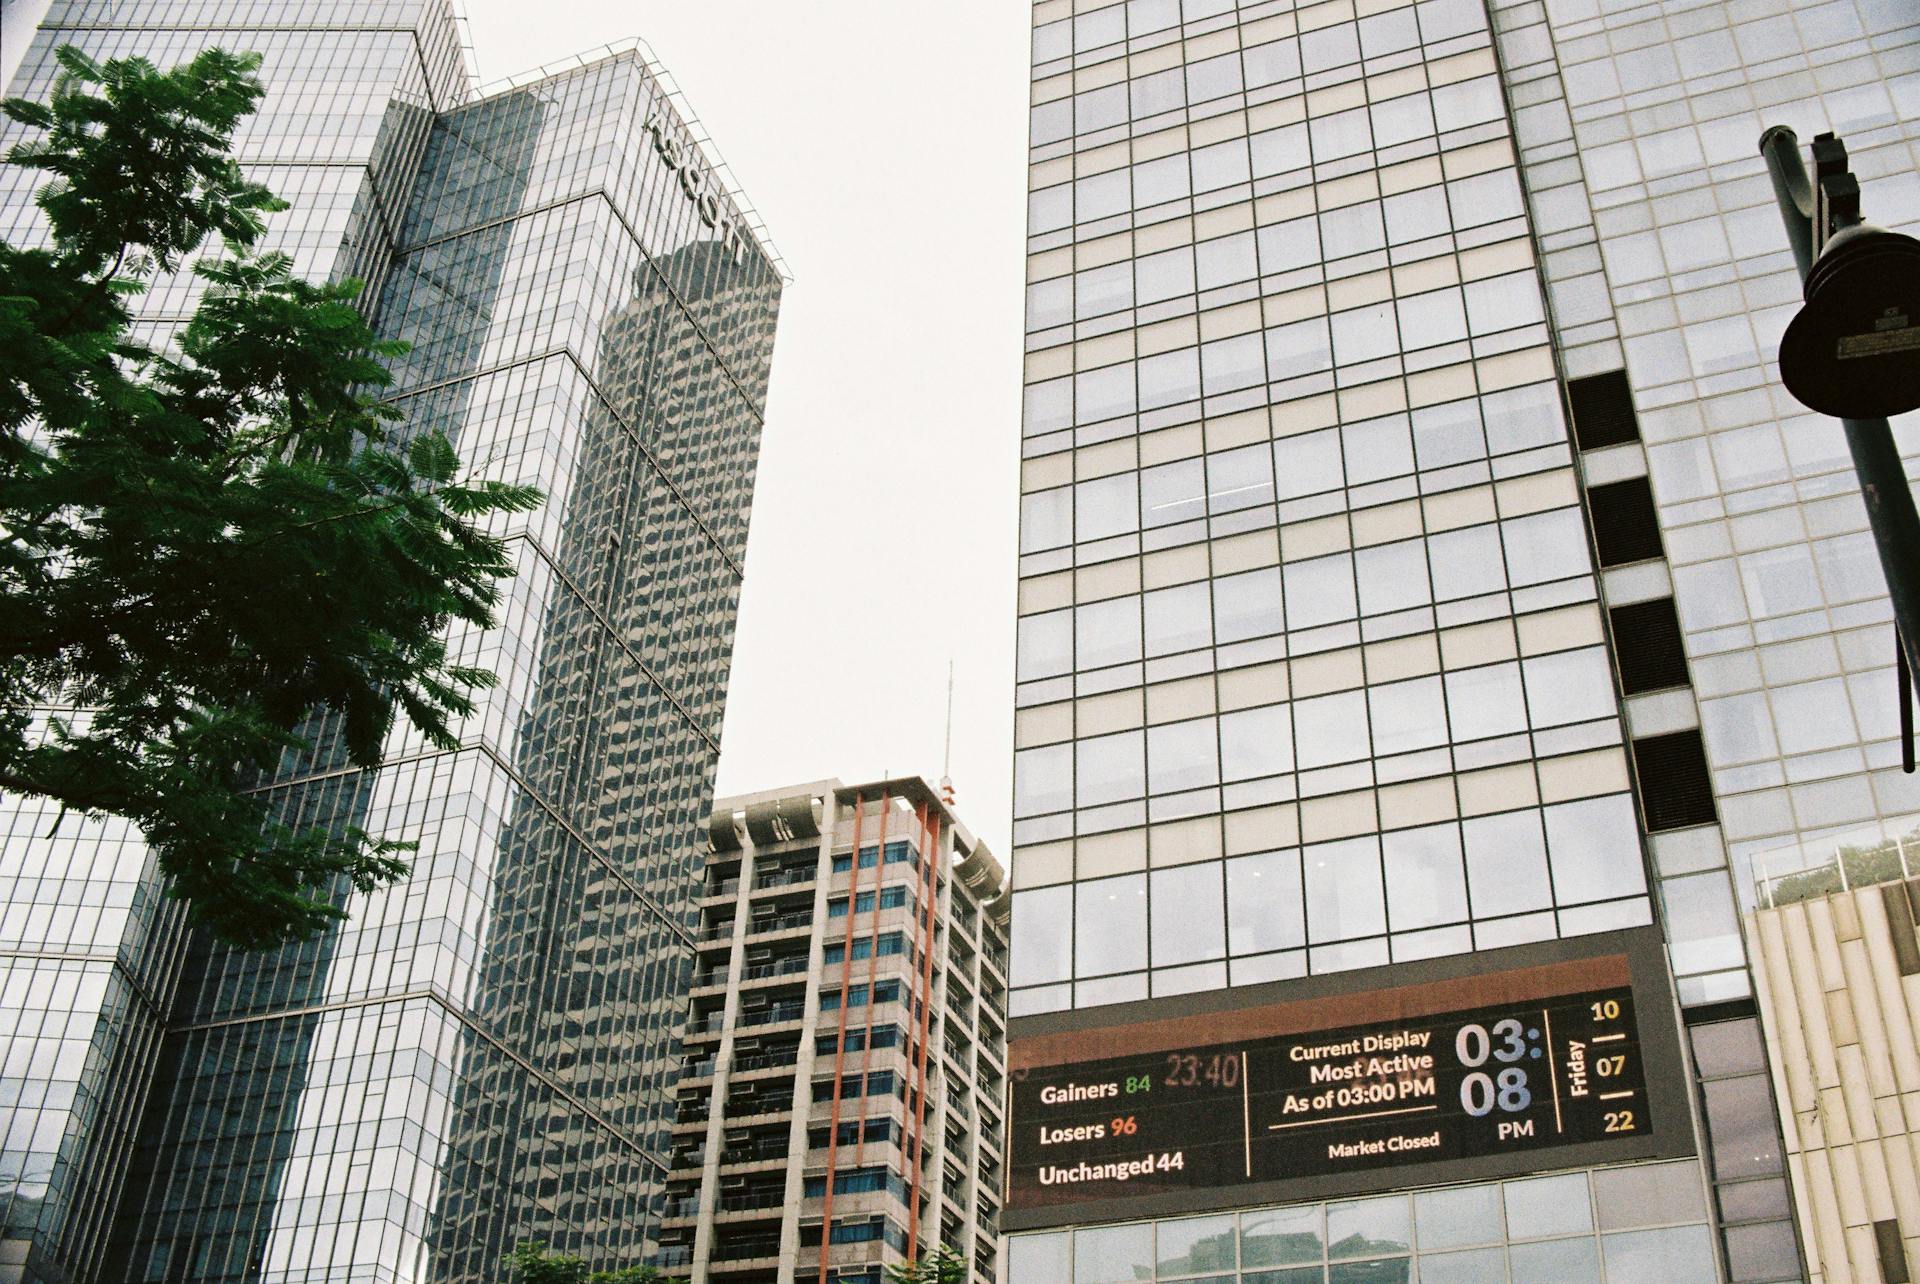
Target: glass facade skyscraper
pixel 1422 574
pixel 484 1052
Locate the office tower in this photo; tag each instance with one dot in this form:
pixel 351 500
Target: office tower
pixel 1834 954
pixel 485 1051
pixel 1430 611
pixel 846 1042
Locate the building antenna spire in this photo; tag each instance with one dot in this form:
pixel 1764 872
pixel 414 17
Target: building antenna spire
pixel 946 756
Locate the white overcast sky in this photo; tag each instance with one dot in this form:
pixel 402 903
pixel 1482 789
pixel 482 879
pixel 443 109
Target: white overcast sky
pixel 883 141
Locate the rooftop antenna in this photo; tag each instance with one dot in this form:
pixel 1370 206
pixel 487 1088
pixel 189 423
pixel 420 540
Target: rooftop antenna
pixel 946 758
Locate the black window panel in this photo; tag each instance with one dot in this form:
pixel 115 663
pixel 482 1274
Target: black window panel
pixel 1893 1255
pixel 1602 410
pixel 1624 527
pixel 1647 646
pixel 1674 785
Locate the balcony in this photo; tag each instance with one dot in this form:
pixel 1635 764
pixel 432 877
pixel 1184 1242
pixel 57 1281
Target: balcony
pixel 773 1014
pixel 779 923
pixel 794 966
pixel 785 878
pixel 765 1060
pixel 754 1152
pixel 740 1248
pixel 721 887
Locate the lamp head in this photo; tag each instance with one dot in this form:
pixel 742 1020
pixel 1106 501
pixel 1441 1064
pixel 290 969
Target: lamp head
pixel 1854 350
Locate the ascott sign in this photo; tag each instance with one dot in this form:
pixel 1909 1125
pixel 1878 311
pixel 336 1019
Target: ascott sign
pixel 682 158
pixel 1501 1070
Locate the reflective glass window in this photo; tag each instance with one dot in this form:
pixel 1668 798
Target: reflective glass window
pixel 1426 879
pixel 1045 645
pixel 1189 919
pixel 1178 619
pixel 1256 742
pixel 1182 755
pixel 1265 911
pixel 1506 864
pixel 1042 940
pixel 1110 768
pixel 1106 633
pixel 1110 931
pixel 1246 605
pixel 1344 896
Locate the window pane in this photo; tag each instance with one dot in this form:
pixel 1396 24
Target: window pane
pixel 1042 780
pixel 1264 912
pixel 1507 864
pixel 1289 245
pixel 1368 1227
pixel 1407 715
pixel 1466 563
pixel 1448 434
pixel 1189 922
pixel 1178 619
pixel 1256 742
pixel 1459 1217
pixel 1042 943
pixel 1595 846
pixel 1377 449
pixel 1426 879
pixel 1172 493
pixel 1278 151
pixel 1354 229
pixel 1548 1206
pixel 1110 769
pixel 1320 591
pixel 1239 479
pixel 1344 898
pixel 1046 519
pixel 1107 506
pixel 1308 464
pixel 1183 755
pixel 1485 701
pixel 1393 577
pixel 1569 686
pixel 1110 919
pixel 1281 1236
pixel 1046 645
pixel 1106 633
pixel 1302 348
pixel 1166 275
pixel 1331 729
pixel 1197 1243
pixel 1247 605
pixel 1225 260
pixel 1416 215
pixel 1169 378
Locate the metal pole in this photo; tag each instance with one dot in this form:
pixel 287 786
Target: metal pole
pixel 1883 477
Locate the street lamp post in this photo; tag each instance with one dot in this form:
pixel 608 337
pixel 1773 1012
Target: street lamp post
pixel 1854 352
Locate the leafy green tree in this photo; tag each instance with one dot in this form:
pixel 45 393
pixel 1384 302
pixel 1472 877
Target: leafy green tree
pixel 204 542
pixel 941 1266
pixel 530 1263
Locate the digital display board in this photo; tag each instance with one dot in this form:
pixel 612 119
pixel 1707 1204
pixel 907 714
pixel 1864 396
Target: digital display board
pixel 1499 1064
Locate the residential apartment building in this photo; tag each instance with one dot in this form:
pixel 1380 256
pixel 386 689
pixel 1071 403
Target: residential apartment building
pixel 1431 613
pixel 840 1099
pixel 1837 967
pixel 485 1051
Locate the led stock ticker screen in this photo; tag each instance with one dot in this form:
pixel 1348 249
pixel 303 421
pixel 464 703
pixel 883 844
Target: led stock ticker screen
pixel 1322 1099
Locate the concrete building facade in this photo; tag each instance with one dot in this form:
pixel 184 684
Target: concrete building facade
pixel 840 1104
pixel 1837 966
